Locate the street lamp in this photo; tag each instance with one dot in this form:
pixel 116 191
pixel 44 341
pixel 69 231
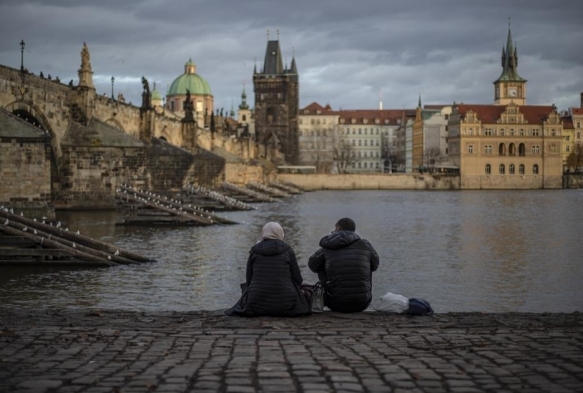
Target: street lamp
pixel 22 56
pixel 112 80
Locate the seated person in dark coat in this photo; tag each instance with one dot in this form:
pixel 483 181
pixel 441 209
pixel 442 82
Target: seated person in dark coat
pixel 344 264
pixel 273 279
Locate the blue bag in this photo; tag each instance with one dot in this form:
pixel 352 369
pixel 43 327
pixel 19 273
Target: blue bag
pixel 419 307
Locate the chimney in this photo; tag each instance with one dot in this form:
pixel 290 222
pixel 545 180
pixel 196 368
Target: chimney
pixel 581 99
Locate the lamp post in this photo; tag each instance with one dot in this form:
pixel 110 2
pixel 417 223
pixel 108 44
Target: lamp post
pixel 22 56
pixel 112 80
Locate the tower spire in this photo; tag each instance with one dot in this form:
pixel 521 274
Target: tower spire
pixel 243 99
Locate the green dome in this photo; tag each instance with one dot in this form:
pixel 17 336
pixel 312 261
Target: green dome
pixel 156 95
pixel 190 80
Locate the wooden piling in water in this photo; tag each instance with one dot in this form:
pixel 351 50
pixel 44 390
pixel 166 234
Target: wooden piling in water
pixel 58 238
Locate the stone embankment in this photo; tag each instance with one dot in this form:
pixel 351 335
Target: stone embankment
pixel 119 351
pixel 373 181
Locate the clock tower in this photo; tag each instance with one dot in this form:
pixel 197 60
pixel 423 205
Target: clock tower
pixel 510 87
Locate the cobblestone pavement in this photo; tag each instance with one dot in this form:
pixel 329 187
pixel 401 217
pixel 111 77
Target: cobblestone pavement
pixel 95 351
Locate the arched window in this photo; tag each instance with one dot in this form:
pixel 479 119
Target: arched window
pixel 535 169
pixel 502 149
pixel 172 106
pixel 488 169
pixel 512 149
pixel 245 119
pixel 359 142
pixel 521 149
pixel 502 169
pixel 365 164
pixel 511 169
pixel 521 169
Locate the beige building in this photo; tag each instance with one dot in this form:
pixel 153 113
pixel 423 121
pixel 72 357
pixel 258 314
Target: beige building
pixel 363 131
pixel 318 137
pixel 508 144
pixel 573 136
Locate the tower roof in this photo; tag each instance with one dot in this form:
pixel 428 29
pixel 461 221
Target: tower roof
pixel 510 62
pixel 273 63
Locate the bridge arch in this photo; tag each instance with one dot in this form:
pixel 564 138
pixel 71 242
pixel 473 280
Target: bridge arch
pixel 30 113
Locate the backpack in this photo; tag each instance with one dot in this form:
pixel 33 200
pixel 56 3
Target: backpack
pixel 419 307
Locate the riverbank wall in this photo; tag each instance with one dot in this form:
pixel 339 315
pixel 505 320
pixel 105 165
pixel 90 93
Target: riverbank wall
pixel 373 181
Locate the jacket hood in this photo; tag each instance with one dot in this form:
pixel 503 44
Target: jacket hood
pixel 270 247
pixel 339 239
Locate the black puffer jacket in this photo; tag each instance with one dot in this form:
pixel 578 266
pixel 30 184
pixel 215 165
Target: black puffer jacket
pixel 347 262
pixel 273 280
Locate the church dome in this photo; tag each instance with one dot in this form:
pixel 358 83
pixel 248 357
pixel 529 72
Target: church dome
pixel 156 95
pixel 190 80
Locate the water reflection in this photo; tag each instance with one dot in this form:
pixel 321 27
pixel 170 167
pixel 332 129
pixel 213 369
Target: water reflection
pixel 462 251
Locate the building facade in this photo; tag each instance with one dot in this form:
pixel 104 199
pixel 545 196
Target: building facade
pixel 367 132
pixel 318 137
pixel 508 144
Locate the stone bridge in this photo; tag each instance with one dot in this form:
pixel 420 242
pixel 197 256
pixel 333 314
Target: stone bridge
pixel 97 143
pixel 51 105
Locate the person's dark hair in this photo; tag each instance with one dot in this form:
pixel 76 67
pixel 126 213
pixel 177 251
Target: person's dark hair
pixel 346 224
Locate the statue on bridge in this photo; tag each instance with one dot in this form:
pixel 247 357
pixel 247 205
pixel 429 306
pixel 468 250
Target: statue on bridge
pixel 188 108
pixel 146 85
pixel 146 95
pixel 85 57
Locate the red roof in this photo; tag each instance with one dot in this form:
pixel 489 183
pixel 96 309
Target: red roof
pixel 316 109
pixel 567 122
pixel 384 116
pixel 577 111
pixel 489 114
pixel 437 107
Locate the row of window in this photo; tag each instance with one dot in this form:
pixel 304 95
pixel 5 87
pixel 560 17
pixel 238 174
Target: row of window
pixel 361 131
pixel 366 154
pixel 366 165
pixel 534 149
pixel 364 142
pixel 510 132
pixel 314 133
pixel 511 169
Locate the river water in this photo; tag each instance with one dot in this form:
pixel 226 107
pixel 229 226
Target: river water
pixel 488 251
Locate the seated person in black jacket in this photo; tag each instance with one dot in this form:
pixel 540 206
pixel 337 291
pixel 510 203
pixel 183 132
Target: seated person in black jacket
pixel 273 279
pixel 344 264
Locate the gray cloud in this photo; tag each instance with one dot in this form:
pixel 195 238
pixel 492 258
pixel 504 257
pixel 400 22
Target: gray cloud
pixel 346 51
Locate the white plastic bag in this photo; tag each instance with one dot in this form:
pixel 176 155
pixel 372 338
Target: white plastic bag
pixel 391 302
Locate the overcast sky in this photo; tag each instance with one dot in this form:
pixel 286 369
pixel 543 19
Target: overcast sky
pixel 346 51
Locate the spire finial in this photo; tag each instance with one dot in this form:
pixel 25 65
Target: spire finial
pixel 277 34
pixel 267 34
pixel 509 23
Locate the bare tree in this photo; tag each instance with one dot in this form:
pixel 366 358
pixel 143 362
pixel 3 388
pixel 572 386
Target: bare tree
pixel 344 156
pixel 575 159
pixel 431 157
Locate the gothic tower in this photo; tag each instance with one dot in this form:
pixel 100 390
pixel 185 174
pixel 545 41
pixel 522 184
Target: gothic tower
pixel 510 87
pixel 277 104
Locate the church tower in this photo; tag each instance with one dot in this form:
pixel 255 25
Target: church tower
pixel 277 103
pixel 510 87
